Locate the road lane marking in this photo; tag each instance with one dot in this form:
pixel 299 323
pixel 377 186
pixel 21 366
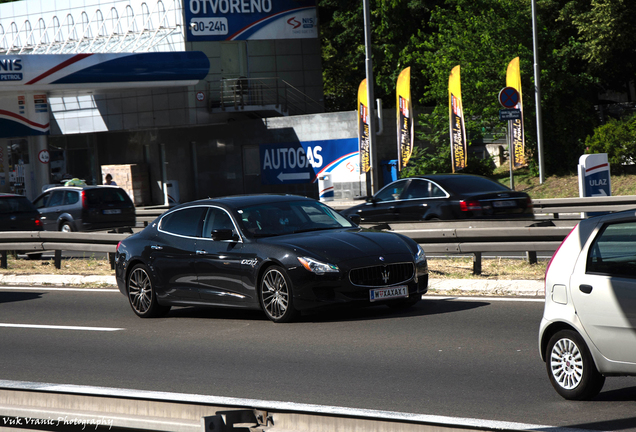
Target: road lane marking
pixel 55 327
pixel 46 288
pixel 492 299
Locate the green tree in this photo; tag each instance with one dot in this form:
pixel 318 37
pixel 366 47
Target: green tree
pixel 393 22
pixel 617 138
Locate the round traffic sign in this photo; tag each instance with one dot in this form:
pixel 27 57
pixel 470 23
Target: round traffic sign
pixel 43 156
pixel 509 97
pixel 200 96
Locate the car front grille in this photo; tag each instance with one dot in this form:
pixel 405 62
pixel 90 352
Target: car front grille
pixel 382 275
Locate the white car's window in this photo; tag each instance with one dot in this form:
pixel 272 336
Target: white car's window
pixel 613 252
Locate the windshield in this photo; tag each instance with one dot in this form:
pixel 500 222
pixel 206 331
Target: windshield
pixel 290 217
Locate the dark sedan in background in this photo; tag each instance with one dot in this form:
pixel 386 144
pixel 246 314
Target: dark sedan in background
pixel 18 214
pixel 443 197
pixel 283 254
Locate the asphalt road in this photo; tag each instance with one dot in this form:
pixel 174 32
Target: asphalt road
pixel 470 358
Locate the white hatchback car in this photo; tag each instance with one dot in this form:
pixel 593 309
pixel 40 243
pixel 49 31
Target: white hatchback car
pixel 588 330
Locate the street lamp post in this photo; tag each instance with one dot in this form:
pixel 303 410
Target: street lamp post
pixel 537 90
pixel 373 185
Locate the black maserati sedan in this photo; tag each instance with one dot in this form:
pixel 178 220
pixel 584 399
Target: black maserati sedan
pixel 443 197
pixel 283 254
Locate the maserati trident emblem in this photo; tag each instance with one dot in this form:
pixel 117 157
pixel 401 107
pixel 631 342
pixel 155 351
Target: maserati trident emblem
pixel 385 276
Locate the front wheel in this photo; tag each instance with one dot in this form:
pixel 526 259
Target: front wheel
pixel 571 368
pixel 141 294
pixel 66 227
pixel 275 295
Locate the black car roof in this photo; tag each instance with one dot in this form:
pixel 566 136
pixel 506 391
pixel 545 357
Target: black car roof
pixel 239 201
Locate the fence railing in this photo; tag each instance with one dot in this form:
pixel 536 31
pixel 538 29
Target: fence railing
pixel 255 93
pixel 36 242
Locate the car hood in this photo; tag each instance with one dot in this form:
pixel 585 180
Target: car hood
pixel 338 246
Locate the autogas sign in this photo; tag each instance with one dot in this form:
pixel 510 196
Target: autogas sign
pixel 219 20
pixel 302 162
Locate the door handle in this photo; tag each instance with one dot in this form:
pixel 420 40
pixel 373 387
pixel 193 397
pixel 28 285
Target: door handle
pixel 201 252
pixel 156 247
pixel 585 288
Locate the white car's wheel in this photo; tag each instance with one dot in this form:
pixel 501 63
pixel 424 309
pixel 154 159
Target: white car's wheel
pixel 571 368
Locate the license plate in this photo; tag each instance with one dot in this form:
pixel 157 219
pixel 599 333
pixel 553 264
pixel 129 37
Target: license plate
pixel 112 211
pixel 504 204
pixel 388 293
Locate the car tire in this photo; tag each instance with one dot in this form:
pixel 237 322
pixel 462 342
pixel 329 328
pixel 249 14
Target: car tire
pixel 275 295
pixel 571 368
pixel 66 227
pixel 142 295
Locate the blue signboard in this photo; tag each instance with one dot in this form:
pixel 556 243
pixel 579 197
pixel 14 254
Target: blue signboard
pixel 303 162
pixel 598 183
pixel 224 20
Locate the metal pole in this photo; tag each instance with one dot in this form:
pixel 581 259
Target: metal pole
pixel 370 99
pixel 537 90
pixel 511 154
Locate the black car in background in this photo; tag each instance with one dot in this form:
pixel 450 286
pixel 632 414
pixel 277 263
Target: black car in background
pixel 18 214
pixel 85 208
pixel 444 197
pixel 280 253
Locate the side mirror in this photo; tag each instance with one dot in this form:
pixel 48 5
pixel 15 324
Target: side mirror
pixel 355 218
pixel 223 235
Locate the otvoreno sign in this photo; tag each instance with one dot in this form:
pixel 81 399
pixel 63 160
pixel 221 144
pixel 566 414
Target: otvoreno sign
pixel 224 20
pixel 303 162
pixel 594 175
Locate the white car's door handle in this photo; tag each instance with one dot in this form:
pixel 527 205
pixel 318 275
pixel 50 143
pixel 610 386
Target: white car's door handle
pixel 585 288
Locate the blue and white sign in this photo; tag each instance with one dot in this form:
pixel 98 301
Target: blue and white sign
pixel 224 20
pixel 303 162
pixel 594 176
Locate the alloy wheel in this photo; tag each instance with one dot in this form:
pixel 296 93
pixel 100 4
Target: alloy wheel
pixel 140 290
pixel 275 294
pixel 566 363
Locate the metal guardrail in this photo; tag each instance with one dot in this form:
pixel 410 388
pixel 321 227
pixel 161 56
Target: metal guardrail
pixel 40 241
pixel 88 408
pixel 474 241
pixel 556 206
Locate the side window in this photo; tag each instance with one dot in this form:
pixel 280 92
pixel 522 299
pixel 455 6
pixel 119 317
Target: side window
pixel 613 252
pixel 391 193
pixel 40 202
pixel 419 189
pixel 217 219
pixel 57 197
pixel 185 222
pixel 71 197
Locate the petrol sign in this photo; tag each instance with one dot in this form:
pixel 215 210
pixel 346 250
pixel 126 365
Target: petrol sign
pixel 302 162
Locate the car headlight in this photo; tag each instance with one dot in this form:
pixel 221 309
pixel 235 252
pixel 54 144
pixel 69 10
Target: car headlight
pixel 317 267
pixel 420 256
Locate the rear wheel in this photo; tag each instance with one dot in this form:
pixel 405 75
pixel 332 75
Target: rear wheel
pixel 142 295
pixel 275 294
pixel 571 368
pixel 66 227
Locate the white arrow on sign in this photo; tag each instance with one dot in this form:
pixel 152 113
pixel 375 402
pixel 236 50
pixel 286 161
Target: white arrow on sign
pixel 602 193
pixel 292 176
